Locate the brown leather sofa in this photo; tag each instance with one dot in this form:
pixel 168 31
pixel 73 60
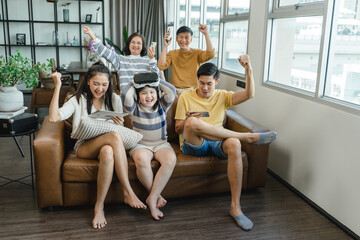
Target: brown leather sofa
pixel 64 180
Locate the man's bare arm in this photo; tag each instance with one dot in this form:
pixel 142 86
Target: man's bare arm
pixel 242 96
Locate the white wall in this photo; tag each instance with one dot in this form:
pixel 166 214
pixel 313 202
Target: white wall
pixel 317 146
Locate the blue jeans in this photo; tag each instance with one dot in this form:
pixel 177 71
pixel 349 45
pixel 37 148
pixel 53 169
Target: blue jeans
pixel 206 148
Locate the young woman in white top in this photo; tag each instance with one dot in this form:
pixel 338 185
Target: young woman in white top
pixel 95 93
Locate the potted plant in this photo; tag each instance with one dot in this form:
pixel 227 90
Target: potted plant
pixel 66 11
pixel 17 70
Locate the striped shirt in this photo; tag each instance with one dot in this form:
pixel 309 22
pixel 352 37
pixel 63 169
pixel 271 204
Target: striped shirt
pixel 150 123
pixel 127 66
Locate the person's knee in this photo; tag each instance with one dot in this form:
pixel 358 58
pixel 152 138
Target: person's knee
pixel 141 162
pixel 115 138
pixel 170 162
pixel 106 155
pixel 233 146
pixel 192 124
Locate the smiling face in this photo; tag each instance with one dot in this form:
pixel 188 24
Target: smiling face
pixel 148 96
pixel 184 39
pixel 206 86
pixel 135 45
pixel 98 85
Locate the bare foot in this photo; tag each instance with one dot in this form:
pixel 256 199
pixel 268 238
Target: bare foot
pixel 155 212
pixel 161 202
pixel 99 220
pixel 133 201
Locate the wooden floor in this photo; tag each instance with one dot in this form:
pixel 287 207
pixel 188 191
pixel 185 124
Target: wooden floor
pixel 277 213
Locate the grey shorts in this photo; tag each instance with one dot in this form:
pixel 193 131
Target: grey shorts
pixel 154 149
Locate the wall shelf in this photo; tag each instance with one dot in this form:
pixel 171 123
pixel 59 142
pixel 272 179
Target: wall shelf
pixel 38 20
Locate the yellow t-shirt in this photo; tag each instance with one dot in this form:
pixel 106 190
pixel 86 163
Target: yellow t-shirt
pixel 184 66
pixel 216 106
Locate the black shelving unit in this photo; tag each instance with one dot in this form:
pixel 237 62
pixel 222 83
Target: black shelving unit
pixel 50 50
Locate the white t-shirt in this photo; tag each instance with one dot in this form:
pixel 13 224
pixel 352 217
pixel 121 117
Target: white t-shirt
pixel 79 110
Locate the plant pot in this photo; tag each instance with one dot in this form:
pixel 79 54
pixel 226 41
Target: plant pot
pixel 66 15
pixel 11 99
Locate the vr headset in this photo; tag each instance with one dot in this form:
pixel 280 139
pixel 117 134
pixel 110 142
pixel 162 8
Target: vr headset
pixel 150 79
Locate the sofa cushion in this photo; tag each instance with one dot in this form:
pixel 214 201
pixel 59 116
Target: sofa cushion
pixel 83 170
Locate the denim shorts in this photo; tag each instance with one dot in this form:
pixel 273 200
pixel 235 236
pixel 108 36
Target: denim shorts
pixel 206 148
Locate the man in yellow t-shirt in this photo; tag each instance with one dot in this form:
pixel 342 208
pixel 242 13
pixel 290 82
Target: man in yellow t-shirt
pixel 185 61
pixel 200 136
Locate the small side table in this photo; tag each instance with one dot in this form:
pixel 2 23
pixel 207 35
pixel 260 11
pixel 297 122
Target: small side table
pixel 31 134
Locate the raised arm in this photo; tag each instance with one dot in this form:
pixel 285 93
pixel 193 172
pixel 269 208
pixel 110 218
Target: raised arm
pixel 162 58
pixel 169 93
pixel 204 30
pixel 101 50
pixel 54 115
pixel 242 96
pixel 128 96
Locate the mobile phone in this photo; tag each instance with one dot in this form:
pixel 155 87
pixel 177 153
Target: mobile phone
pixel 168 31
pixel 153 44
pixel 203 113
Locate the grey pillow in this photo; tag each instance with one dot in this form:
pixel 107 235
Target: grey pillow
pixel 90 128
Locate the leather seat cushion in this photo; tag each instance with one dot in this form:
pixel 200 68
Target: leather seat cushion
pixel 85 170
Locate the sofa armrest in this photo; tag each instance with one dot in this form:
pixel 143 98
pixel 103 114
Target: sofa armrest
pixel 49 152
pixel 257 154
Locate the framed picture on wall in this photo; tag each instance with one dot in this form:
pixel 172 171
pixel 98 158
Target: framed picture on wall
pixel 20 39
pixel 88 18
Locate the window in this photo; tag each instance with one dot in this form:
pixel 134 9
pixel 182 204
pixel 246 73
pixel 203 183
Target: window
pixel 283 3
pixel 237 7
pixel 343 75
pixel 235 35
pixel 235 44
pixel 315 54
pixel 193 12
pixel 295 52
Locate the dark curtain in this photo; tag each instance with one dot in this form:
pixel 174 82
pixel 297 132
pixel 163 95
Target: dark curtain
pixel 144 16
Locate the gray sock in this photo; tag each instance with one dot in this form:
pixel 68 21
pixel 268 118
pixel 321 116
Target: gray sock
pixel 243 222
pixel 265 138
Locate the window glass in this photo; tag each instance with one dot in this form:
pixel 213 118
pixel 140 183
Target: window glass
pixel 182 13
pixel 294 53
pixel 343 75
pixel 283 3
pixel 238 7
pixel 235 44
pixel 212 16
pixel 194 22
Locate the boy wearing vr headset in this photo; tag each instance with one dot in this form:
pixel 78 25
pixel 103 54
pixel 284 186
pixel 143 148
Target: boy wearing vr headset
pixel 147 99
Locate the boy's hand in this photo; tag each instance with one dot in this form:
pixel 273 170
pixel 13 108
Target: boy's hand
pixel 167 40
pixel 56 76
pixel 244 60
pixel 203 29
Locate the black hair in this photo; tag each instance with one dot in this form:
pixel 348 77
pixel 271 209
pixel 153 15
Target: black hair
pixel 126 49
pixel 184 29
pixel 84 89
pixel 208 69
pixel 138 90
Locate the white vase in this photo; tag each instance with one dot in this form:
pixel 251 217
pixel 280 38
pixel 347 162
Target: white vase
pixel 11 99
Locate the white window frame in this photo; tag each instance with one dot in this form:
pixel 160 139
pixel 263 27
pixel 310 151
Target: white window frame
pixel 302 10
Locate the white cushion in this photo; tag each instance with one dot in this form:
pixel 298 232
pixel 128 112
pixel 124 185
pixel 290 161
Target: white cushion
pixel 90 128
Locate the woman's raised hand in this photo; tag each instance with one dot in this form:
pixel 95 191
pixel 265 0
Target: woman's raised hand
pixel 56 76
pixel 89 32
pixel 151 52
